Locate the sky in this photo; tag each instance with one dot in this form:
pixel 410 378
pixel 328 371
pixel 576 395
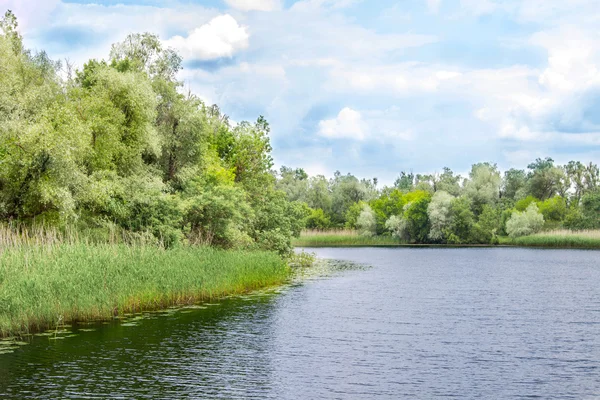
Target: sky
pixel 368 87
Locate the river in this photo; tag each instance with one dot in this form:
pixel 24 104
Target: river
pixel 395 323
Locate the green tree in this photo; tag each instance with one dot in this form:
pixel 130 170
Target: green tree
pixel 439 213
pixel 514 184
pixel 483 186
pixel 461 221
pixel 415 215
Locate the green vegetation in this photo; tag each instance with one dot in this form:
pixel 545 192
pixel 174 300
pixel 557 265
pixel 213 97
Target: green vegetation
pixel 118 189
pixel 444 208
pixel 559 239
pixel 118 146
pixel 45 280
pixel 346 237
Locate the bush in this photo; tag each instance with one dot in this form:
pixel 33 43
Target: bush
pixel 525 223
pixel 318 220
pixel 553 209
pixel 397 226
pixel 522 204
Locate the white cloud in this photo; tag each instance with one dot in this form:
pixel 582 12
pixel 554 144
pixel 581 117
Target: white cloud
pixel 347 125
pixel 23 11
pixel 401 79
pixel 374 125
pixel 220 37
pixel 258 5
pixel 434 5
pixel 479 7
pixel 310 5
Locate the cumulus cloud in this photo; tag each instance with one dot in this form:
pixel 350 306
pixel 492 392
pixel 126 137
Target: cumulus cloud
pixel 220 37
pixel 347 125
pixel 374 125
pixel 258 5
pixel 419 96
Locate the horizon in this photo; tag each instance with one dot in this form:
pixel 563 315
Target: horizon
pixel 371 90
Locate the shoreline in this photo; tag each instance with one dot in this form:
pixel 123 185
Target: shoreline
pixel 43 288
pixel 535 241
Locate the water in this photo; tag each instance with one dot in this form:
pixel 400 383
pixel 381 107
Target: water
pixel 418 323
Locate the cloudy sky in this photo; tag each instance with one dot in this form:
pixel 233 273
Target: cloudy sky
pixel 369 87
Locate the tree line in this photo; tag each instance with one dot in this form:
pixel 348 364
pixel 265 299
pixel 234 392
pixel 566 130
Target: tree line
pixel 448 208
pixel 118 146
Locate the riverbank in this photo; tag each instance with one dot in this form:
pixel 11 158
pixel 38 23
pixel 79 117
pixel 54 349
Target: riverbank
pixel 43 286
pixel 562 239
pixel 340 238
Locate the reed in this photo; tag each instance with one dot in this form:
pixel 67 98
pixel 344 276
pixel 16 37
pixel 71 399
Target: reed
pixel 54 278
pixel 341 237
pixel 589 239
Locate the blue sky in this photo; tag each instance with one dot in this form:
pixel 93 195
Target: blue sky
pixel 369 87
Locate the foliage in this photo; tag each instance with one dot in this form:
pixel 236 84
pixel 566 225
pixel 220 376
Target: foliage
pixel 366 223
pixel 118 144
pixel 484 186
pixel 317 220
pixel 461 221
pixel 415 215
pixel 439 215
pixel 553 209
pixel 525 223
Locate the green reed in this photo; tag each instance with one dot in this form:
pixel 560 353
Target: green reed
pixel 561 239
pixel 56 281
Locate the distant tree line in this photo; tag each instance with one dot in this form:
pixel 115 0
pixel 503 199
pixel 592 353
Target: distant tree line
pixel 447 208
pixel 118 146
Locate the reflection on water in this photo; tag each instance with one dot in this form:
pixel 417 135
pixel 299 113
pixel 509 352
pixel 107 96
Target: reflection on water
pixel 419 323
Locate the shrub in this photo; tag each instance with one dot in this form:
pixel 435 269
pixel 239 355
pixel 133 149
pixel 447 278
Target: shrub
pixel 397 226
pixel 318 220
pixel 525 223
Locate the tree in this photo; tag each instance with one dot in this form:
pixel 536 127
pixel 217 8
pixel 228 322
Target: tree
pixel 405 182
pixel 439 215
pixel 318 194
pixel 366 224
pixel 143 52
pixel 346 190
pixel 546 180
pixel 514 184
pixel 448 182
pixel 483 186
pixel 415 215
pixel 461 221
pixel 294 182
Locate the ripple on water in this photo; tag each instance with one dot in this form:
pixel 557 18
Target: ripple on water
pixel 417 323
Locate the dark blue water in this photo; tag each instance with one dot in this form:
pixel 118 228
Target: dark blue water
pixel 418 323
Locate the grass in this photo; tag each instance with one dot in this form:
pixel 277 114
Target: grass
pixel 553 239
pixel 342 237
pixel 559 239
pixel 46 280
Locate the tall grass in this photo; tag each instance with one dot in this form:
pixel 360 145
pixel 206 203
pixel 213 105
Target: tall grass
pixel 561 239
pixel 340 237
pixel 47 278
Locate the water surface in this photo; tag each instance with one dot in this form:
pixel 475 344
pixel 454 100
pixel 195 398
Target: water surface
pixel 418 323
